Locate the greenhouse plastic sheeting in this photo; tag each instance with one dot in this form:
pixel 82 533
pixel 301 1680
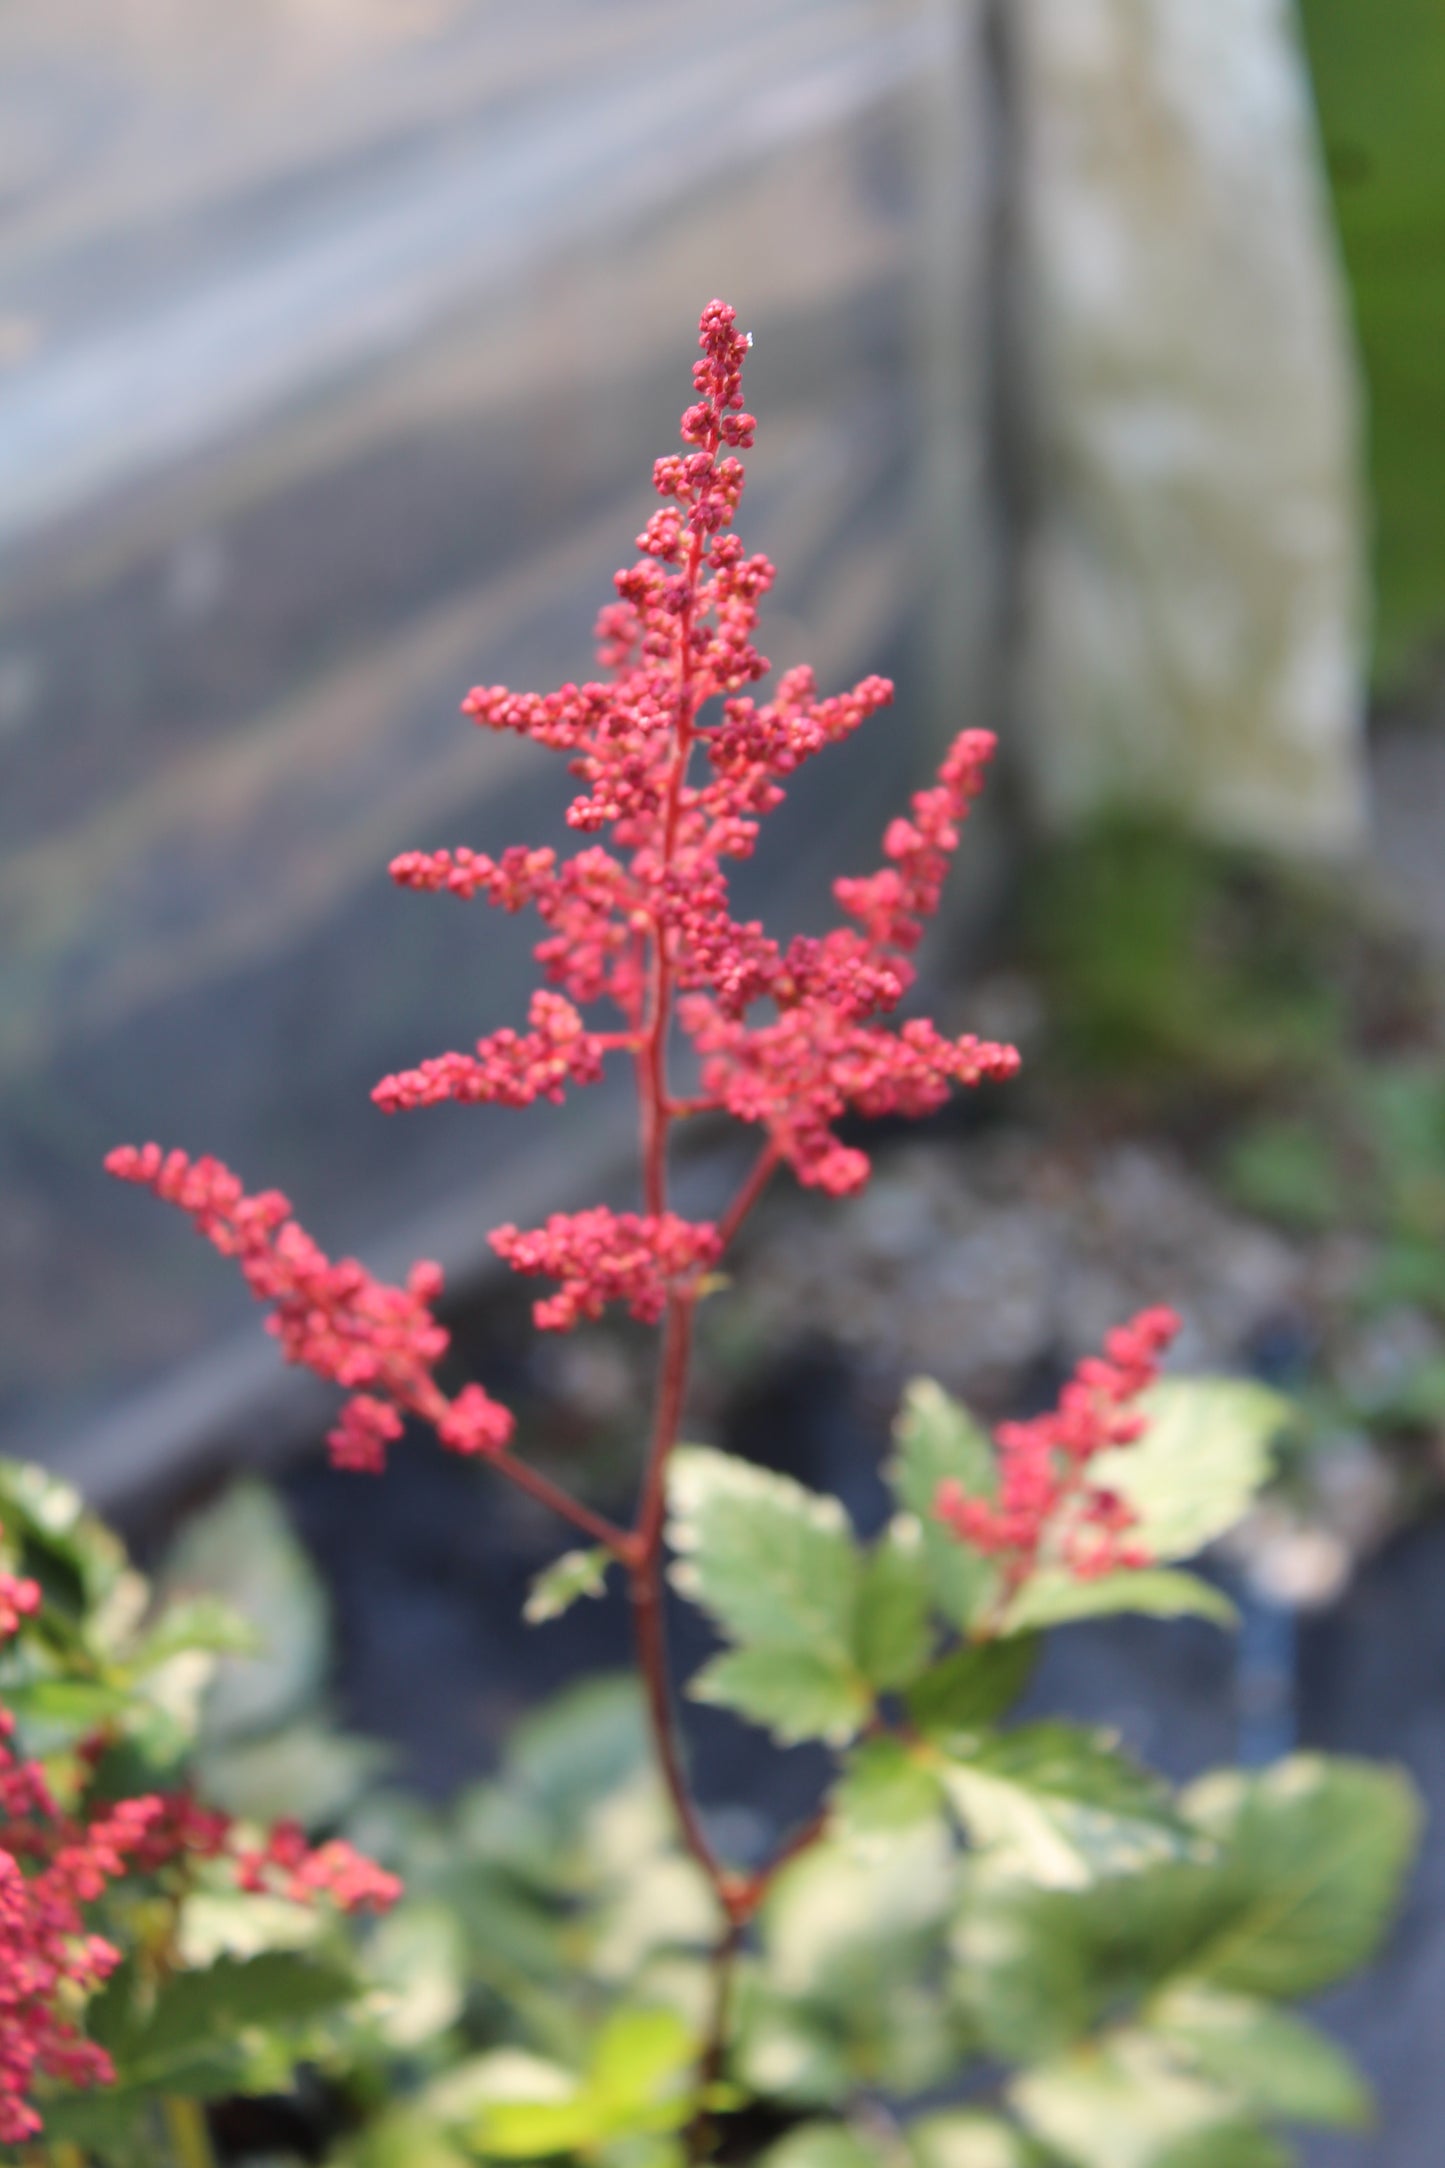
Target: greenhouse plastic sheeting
pixel 1194 615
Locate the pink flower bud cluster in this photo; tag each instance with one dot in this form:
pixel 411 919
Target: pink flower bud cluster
pixel 380 1343
pixel 19 1599
pixel 287 1866
pixel 602 1256
pixel 509 1068
pixel 49 1962
pixel 1048 1510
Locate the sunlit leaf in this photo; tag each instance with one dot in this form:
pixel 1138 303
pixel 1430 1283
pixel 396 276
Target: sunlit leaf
pixel 773 1564
pixel 642 2054
pixel 1058 1806
pixel 961 2138
pixel 1052 1597
pixel 935 1438
pixel 777 1568
pixel 1315 1853
pixel 892 1634
pixel 825 2145
pixel 1125 2103
pixel 886 1787
pixel 559 1586
pixel 795 1694
pixel 193 1624
pixel 1272 2062
pixel 305 1773
pixel 243 1551
pixel 1207 1450
pixel 415 1961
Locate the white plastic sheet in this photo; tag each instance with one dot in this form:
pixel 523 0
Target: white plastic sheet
pixel 1193 612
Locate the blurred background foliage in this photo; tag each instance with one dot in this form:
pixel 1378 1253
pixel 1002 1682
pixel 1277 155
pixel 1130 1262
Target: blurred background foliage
pixel 1379 76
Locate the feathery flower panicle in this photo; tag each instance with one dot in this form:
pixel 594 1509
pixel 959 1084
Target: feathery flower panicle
pixel 679 762
pixel 792 1039
pixel 1048 1509
pixel 380 1343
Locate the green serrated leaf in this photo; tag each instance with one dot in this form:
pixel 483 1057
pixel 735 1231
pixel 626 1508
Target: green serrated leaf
pixel 773 1564
pixel 579 1746
pixel 54 1713
pixel 278 1987
pixel 415 1961
pixel 960 2138
pixel 305 1773
pixel 843 1927
pixel 48 1516
pixel 1316 1851
pixel 1207 1450
pixel 1309 1857
pixel 893 1638
pixel 784 2050
pixel 243 1551
pixel 1032 1964
pixel 638 2081
pixel 886 1788
pixel 642 2055
pixel 242 1923
pixel 196 1625
pixel 1271 2061
pixel 1060 1807
pixel 970 1689
pixel 825 2145
pixel 1055 1598
pixel 559 1586
pixel 794 1694
pixel 517 2106
pixel 934 1438
pixel 403 2138
pixel 1125 2103
pixel 186 2040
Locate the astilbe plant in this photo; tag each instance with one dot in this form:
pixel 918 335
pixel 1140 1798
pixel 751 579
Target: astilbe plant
pixel 646 930
pixel 105 1829
pixel 678 764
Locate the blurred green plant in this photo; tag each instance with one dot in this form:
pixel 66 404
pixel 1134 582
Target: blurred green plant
pixel 1005 1944
pixel 1176 970
pixel 116 1694
pixel 1276 1023
pixel 1370 1156
pixel 1379 74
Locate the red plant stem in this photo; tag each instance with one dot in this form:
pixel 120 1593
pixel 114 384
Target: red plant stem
pixel 697 2138
pixel 645 1567
pixel 738 1896
pixel 801 1840
pixel 596 1525
pixel 762 1173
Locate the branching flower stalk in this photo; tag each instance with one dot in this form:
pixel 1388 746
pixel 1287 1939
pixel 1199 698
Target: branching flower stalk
pixel 679 763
